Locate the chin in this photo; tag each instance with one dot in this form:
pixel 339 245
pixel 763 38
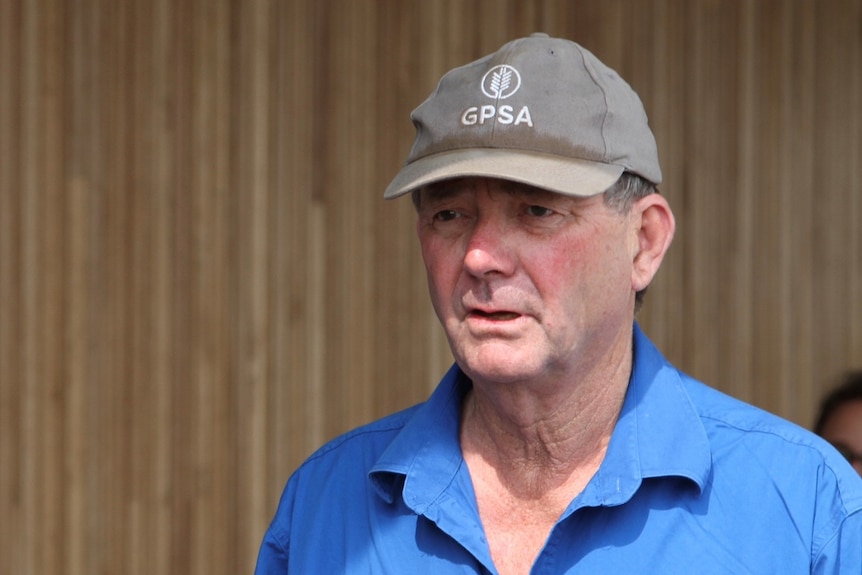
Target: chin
pixel 502 366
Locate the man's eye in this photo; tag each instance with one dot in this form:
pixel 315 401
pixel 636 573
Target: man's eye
pixel 445 215
pixel 539 211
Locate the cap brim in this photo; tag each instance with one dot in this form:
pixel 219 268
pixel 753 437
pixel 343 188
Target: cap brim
pixel 566 176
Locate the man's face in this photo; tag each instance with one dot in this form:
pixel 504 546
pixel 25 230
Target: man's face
pixel 527 283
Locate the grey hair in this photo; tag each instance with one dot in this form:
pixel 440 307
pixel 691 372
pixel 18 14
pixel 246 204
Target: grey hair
pixel 627 190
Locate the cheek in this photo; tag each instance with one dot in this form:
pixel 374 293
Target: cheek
pixel 585 269
pixel 441 271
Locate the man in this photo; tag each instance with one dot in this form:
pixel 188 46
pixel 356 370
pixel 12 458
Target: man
pixel 561 441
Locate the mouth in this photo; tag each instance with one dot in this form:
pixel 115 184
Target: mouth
pixel 494 315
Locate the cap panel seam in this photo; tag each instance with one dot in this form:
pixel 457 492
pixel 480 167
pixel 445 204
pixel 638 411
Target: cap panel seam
pixel 588 66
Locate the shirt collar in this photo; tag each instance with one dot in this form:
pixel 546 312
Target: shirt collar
pixel 658 433
pixel 426 455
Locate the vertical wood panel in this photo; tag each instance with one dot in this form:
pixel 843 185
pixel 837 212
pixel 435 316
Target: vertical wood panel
pixel 200 282
pixel 250 188
pixel 12 435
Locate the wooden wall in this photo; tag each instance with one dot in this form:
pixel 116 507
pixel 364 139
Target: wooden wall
pixel 200 281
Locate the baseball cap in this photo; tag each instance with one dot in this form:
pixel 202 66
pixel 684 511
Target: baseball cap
pixel 541 111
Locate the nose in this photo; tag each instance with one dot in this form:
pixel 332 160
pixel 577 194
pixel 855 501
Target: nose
pixel 489 248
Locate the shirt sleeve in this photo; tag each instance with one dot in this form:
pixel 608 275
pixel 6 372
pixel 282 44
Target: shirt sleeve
pixel 838 520
pixel 842 554
pixel 273 556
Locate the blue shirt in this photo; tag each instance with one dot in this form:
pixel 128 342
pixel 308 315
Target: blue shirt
pixel 693 482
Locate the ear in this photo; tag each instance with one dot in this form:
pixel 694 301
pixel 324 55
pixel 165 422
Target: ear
pixel 654 223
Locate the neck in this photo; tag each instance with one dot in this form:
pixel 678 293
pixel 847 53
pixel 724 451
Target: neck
pixel 538 437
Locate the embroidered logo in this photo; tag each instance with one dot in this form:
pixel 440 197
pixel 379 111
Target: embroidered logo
pixel 500 82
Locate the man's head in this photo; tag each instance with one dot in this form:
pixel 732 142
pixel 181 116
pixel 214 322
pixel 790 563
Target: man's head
pixel 533 172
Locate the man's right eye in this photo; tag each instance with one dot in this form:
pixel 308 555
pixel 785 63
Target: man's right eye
pixel 445 215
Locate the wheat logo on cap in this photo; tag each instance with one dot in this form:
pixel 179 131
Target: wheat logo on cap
pixel 500 82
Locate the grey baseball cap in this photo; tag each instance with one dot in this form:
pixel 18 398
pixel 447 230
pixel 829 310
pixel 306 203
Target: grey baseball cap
pixel 541 111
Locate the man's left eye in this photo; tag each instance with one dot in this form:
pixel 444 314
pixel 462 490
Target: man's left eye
pixel 539 211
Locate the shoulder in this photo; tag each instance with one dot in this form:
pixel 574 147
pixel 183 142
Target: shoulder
pixel 751 442
pixel 733 428
pixel 360 446
pixel 728 417
pixel 779 471
pixel 329 479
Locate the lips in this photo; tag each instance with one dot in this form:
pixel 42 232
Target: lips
pixel 495 315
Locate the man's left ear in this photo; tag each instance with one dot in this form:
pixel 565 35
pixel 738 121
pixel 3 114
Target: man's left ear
pixel 656 227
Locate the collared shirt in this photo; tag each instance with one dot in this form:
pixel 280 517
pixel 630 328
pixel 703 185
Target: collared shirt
pixel 693 482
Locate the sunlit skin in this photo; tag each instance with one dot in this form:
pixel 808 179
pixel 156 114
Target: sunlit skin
pixel 844 430
pixel 535 291
pixel 532 287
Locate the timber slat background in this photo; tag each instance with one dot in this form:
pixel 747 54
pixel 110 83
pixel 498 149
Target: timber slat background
pixel 200 282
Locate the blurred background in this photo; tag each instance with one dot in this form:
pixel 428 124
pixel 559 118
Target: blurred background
pixel 200 281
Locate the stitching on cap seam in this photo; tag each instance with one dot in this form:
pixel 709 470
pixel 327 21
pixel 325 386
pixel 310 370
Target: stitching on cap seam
pixel 589 68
